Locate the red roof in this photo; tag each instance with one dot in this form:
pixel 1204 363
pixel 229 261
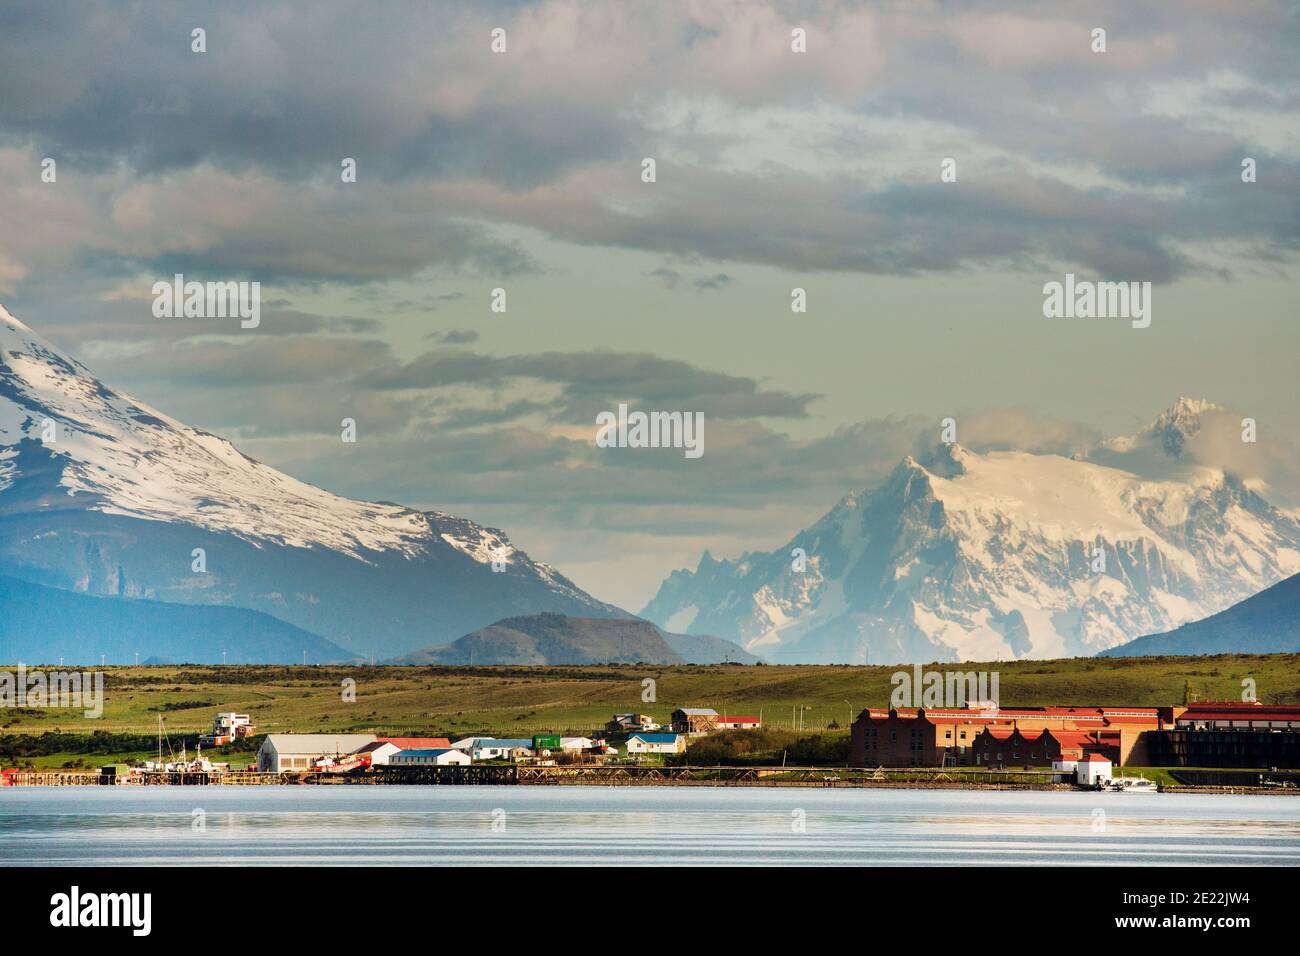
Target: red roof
pixel 1270 714
pixel 418 743
pixel 1094 758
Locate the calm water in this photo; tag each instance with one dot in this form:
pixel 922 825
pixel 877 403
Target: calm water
pixel 637 825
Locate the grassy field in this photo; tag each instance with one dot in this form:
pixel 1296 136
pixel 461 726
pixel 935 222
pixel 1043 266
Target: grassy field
pixel 521 701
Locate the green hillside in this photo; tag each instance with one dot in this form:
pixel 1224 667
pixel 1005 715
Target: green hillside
pixel 519 701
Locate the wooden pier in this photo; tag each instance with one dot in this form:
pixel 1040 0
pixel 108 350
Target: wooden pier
pixel 600 775
pixel 56 778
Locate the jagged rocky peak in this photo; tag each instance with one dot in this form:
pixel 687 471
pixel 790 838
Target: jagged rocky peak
pixel 1180 422
pixel 965 555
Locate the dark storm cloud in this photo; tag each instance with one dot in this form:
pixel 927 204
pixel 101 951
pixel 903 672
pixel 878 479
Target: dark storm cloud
pixel 590 382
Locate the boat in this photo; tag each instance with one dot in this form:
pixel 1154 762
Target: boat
pixel 1132 785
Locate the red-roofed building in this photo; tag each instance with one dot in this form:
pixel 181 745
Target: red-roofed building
pixel 1238 715
pixel 733 722
pixel 916 737
pixel 418 743
pixel 1036 748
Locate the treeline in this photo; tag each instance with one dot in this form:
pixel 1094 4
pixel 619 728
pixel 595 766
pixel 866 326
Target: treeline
pixel 16 748
pixel 741 748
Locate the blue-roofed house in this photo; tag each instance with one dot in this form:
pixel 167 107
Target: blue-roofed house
pixel 648 743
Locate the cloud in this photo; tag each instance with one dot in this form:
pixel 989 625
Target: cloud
pixel 1209 436
pixel 590 382
pixel 1016 429
pixel 454 337
pixel 229 161
pixel 710 283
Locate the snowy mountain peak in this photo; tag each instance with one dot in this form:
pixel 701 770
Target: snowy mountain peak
pixel 13 324
pixel 117 455
pixel 77 449
pixel 987 556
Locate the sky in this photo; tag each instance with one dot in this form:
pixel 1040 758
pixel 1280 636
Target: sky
pixel 522 170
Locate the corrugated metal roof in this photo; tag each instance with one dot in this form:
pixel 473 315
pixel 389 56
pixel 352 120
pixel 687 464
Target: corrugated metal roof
pixel 656 738
pixel 318 743
pixel 698 711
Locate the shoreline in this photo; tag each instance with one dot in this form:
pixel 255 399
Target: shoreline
pixel 508 775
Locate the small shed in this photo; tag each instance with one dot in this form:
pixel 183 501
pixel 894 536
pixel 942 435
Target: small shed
pixel 694 720
pixel 1093 769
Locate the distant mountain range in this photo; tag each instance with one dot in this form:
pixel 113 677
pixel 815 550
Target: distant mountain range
pixel 956 555
pixel 42 625
pixel 1267 623
pixel 103 495
pixel 968 556
pixel 559 639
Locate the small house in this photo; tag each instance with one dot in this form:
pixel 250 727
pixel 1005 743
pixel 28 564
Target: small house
pixel 656 744
pixel 631 723
pixel 502 748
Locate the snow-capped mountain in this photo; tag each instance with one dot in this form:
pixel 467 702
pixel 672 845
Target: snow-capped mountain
pixel 991 556
pixel 102 494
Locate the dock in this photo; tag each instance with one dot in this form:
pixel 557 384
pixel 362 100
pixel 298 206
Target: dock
pixel 600 775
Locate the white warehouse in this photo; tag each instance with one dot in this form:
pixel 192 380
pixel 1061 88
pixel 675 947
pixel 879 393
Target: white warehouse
pixel 281 752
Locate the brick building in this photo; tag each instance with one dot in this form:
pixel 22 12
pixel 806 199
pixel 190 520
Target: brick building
pixel 915 737
pixel 1000 747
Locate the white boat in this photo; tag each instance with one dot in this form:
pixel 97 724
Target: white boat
pixel 1132 785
